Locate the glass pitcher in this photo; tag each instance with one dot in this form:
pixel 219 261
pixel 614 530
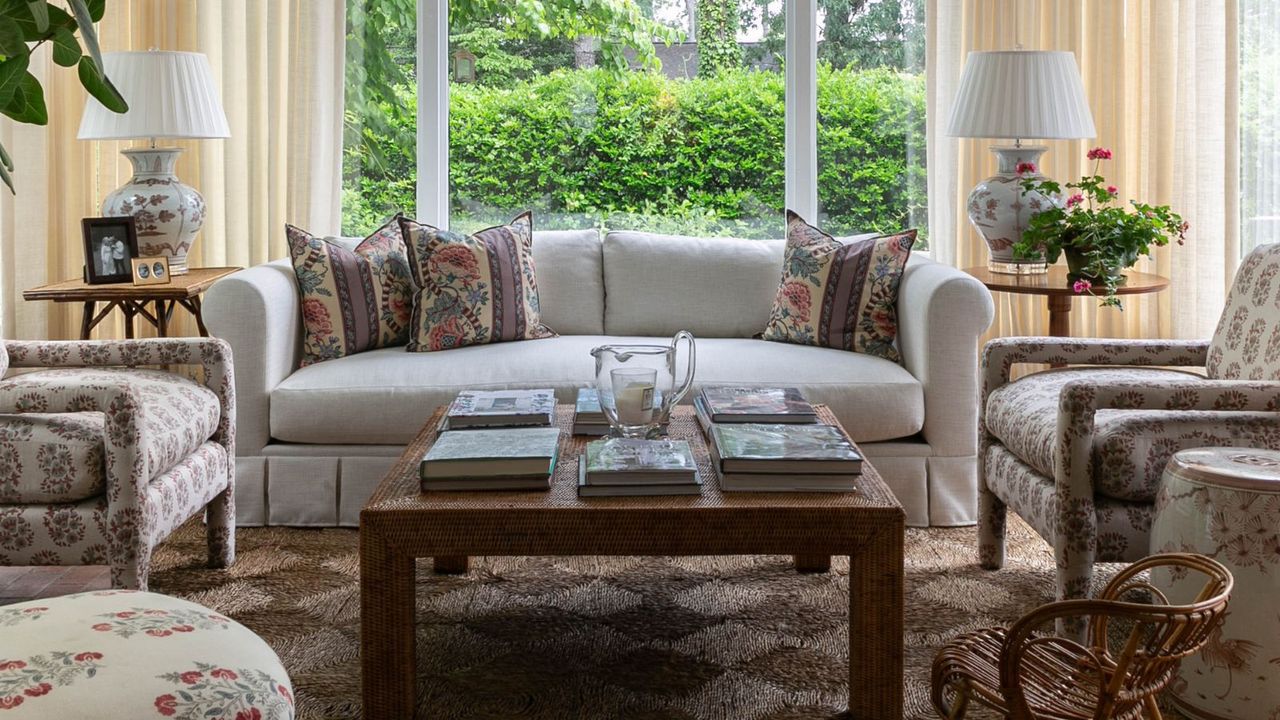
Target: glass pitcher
pixel 637 384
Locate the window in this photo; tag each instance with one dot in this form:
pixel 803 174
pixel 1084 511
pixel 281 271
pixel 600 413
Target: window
pixel 680 116
pixel 1259 123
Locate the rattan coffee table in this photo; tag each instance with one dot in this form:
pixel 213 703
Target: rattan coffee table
pixel 400 523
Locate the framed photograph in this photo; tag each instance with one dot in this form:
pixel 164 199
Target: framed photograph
pixel 152 270
pixel 110 244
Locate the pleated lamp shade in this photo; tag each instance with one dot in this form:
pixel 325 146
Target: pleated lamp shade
pixel 170 95
pixel 1021 94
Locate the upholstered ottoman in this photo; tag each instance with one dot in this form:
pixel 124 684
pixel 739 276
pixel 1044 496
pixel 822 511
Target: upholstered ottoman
pixel 129 654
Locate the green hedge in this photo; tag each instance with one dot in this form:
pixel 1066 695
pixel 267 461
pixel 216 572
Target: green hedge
pixel 703 156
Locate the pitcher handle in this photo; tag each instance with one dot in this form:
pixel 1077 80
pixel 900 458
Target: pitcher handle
pixel 688 378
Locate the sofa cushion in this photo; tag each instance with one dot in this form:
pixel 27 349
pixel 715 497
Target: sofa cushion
pixel 353 298
pixel 570 280
pixel 177 414
pixel 712 287
pixel 473 289
pixel 384 396
pixel 1130 447
pixel 51 458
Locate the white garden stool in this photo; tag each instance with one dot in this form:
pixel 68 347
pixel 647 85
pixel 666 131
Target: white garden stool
pixel 130 654
pixel 1225 503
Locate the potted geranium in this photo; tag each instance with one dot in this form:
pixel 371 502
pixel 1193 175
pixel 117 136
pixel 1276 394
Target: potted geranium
pixel 1100 237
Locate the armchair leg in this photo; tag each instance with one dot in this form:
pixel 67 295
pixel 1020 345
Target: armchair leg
pixel 1074 558
pixel 220 529
pixel 992 514
pixel 131 573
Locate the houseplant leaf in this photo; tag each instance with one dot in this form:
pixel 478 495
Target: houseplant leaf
pixel 5 170
pixel 11 42
pixel 66 48
pixel 100 87
pixel 39 13
pixel 11 71
pixel 84 19
pixel 97 8
pixel 27 104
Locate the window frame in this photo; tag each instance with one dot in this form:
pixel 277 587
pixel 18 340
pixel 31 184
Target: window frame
pixel 801 133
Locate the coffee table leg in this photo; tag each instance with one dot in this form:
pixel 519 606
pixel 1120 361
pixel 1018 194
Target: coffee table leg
pixel 387 660
pixel 876 625
pixel 451 564
pixel 813 563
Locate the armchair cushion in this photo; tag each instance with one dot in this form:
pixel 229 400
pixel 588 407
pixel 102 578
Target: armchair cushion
pixel 1246 344
pixel 1130 447
pixel 178 414
pixel 51 458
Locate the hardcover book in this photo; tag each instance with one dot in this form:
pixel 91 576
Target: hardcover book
pixel 586 489
pixel 635 461
pixel 498 452
pixel 491 408
pixel 757 404
pixel 783 448
pixel 587 409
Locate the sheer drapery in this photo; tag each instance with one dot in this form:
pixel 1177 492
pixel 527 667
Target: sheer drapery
pixel 279 68
pixel 1162 80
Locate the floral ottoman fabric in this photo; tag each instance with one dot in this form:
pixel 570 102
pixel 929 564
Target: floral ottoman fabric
pixel 129 654
pixel 51 458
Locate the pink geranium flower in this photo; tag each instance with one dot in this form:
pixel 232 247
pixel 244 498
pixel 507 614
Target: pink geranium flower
pixel 1112 189
pixel 1025 167
pixel 1075 200
pixel 1081 286
pixel 1099 153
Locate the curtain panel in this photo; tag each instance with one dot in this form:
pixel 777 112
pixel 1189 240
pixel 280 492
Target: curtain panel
pixel 1162 78
pixel 278 65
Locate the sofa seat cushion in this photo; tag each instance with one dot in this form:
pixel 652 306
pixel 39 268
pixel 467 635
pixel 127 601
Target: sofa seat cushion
pixel 176 414
pixel 130 654
pixel 384 396
pixel 1130 447
pixel 51 458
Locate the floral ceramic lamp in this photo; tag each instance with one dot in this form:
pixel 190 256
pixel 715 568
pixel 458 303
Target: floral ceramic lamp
pixel 170 95
pixel 1016 94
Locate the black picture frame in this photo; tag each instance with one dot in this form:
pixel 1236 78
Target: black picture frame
pixel 113 264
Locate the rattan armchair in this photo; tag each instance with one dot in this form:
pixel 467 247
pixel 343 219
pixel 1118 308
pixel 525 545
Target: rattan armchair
pixel 1132 652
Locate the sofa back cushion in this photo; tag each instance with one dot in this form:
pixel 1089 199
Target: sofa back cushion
pixel 1246 345
pixel 712 287
pixel 570 280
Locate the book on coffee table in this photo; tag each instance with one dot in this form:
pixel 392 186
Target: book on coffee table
pixel 786 482
pixel 498 458
pixel 588 417
pixel 783 448
pixel 728 404
pixel 586 489
pixel 625 466
pixel 501 408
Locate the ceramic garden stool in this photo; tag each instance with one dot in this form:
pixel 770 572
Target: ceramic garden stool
pixel 131 654
pixel 1225 503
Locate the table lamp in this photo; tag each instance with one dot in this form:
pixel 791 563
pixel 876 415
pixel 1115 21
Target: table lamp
pixel 170 95
pixel 1016 94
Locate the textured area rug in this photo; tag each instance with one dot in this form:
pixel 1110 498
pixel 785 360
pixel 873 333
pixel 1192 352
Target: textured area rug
pixel 713 638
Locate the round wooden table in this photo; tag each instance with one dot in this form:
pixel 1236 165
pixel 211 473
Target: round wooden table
pixel 1057 289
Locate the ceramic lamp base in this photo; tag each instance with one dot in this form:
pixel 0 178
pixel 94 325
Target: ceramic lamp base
pixel 168 212
pixel 999 209
pixel 1018 268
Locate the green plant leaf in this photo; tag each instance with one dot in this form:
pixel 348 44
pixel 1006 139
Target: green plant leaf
pixel 84 19
pixel 66 48
pixel 97 8
pixel 11 41
pixel 100 87
pixel 11 71
pixel 27 104
pixel 6 162
pixel 39 13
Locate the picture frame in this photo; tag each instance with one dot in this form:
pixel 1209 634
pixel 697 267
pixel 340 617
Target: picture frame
pixel 110 245
pixel 151 270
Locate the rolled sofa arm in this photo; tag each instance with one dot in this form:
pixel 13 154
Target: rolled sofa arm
pixel 942 314
pixel 257 311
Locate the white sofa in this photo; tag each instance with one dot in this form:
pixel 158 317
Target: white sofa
pixel 314 442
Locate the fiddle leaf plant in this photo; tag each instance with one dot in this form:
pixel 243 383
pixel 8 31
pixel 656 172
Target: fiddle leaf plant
pixel 25 25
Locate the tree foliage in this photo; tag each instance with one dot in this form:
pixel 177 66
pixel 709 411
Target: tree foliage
pixel 717 24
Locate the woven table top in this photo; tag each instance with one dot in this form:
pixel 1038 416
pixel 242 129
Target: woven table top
pixel 399 492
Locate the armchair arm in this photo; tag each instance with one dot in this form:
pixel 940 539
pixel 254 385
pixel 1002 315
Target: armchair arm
pixel 942 313
pixel 1001 354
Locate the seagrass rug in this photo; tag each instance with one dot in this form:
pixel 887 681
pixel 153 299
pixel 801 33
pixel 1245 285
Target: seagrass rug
pixel 715 638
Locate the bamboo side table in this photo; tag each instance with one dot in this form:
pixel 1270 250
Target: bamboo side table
pixel 133 300
pixel 1057 290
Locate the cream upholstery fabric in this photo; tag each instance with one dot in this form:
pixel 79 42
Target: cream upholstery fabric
pixel 399 390
pixel 51 458
pixel 712 287
pixel 570 280
pixel 127 654
pixel 1246 344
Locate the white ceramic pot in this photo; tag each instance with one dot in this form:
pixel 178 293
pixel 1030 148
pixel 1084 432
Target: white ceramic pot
pixel 1225 503
pixel 999 209
pixel 168 212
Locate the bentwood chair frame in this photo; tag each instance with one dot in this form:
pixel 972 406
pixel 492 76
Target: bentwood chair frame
pixel 1026 675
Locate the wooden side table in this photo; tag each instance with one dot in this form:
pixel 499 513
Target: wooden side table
pixel 133 300
pixel 1055 286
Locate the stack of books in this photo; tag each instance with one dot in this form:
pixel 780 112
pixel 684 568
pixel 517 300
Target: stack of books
pixel 623 466
pixel 500 408
pixel 759 457
pixel 589 419
pixel 492 459
pixel 752 405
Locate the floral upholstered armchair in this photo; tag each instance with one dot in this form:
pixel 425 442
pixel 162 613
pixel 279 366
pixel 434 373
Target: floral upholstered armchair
pixel 1079 452
pixel 100 459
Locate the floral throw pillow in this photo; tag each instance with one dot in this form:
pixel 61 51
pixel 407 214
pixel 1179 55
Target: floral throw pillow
pixel 839 294
pixel 352 300
pixel 473 289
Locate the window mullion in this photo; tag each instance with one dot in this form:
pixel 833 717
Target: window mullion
pixel 802 108
pixel 433 112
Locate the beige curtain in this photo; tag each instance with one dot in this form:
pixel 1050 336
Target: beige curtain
pixel 1162 78
pixel 278 64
